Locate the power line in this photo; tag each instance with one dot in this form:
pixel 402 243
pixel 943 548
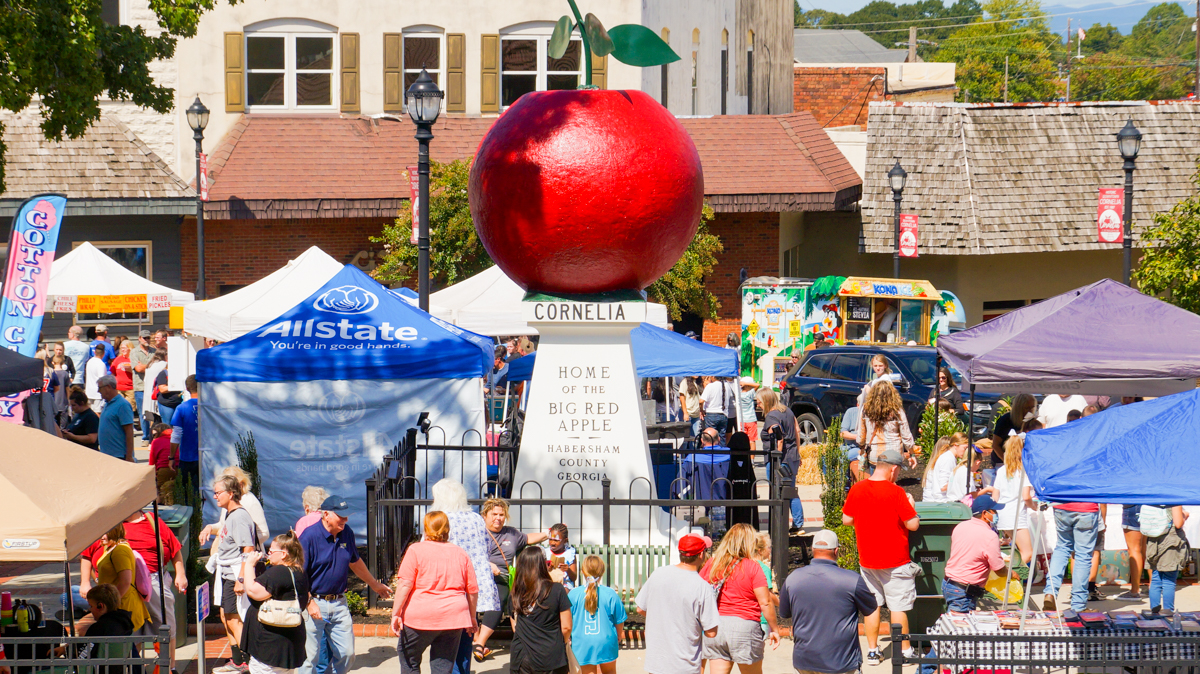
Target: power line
pixel 910 22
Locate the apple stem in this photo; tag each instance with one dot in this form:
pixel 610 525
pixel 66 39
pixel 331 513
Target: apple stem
pixel 587 47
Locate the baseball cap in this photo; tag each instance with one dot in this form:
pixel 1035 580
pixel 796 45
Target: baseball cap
pixel 825 540
pixel 708 542
pixel 691 545
pixel 819 337
pixel 144 333
pixel 335 503
pixel 102 328
pixel 749 381
pixel 983 503
pixel 890 456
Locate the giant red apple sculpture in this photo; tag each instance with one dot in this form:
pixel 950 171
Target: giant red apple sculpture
pixel 586 191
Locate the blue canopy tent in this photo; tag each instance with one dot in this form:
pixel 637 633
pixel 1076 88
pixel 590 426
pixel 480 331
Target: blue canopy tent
pixel 330 386
pixel 1140 454
pixel 659 353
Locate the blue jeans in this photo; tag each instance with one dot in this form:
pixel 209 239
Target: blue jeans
pixel 1077 532
pixel 138 397
pixel 960 599
pixel 166 412
pixel 797 513
pixel 77 599
pixel 697 423
pixel 717 421
pixel 466 647
pixel 1162 589
pixel 332 635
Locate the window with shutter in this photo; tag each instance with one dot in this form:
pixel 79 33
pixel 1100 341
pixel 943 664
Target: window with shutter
pixel 489 73
pixel 235 100
pixel 456 66
pixel 600 71
pixel 393 73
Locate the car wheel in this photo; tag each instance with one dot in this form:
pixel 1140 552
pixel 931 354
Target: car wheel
pixel 812 431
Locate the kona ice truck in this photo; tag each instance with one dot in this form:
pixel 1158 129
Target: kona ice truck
pixel 784 315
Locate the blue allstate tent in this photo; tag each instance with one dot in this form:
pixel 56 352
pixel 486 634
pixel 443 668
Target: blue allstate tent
pixel 1138 454
pixel 330 386
pixel 659 353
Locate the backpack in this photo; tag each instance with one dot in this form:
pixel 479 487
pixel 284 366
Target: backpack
pixel 1155 521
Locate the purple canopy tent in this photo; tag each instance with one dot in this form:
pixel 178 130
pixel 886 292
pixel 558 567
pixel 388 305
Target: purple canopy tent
pixel 1102 339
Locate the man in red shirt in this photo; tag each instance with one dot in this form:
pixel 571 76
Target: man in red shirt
pixel 1078 528
pixel 140 532
pixel 974 553
pixel 882 515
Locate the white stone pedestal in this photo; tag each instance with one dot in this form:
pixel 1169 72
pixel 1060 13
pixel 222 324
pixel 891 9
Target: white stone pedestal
pixel 584 423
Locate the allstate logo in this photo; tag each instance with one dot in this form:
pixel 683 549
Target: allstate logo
pixel 346 300
pixel 342 409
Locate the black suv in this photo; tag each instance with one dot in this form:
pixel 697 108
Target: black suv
pixel 827 382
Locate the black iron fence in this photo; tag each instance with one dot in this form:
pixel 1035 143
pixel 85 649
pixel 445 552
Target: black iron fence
pixel 398 497
pixel 1134 652
pixel 88 655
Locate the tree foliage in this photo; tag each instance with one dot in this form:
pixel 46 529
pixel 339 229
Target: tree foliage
pixel 682 288
pixel 1170 264
pixel 1013 29
pixel 455 251
pixel 62 54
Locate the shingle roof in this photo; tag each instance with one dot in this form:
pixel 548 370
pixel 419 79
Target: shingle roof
pixel 824 45
pixel 987 179
pixel 334 166
pixel 107 163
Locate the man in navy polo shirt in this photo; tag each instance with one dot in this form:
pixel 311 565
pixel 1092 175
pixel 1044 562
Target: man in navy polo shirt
pixel 329 557
pixel 824 602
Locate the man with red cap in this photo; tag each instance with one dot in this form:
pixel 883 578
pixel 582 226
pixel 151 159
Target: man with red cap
pixel 680 610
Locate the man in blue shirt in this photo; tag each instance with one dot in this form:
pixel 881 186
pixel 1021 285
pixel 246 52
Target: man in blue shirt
pixel 102 338
pixel 329 557
pixel 497 379
pixel 824 602
pixel 185 436
pixel 115 437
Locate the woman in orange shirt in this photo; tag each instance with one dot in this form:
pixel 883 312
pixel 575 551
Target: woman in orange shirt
pixel 434 607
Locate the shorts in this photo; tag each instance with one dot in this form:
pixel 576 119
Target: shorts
pixel 897 587
pixel 751 428
pixel 738 640
pixel 1131 518
pixel 228 598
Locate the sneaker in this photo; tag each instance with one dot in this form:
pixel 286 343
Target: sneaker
pixel 230 667
pixel 910 653
pixel 1129 596
pixel 1094 595
pixel 1049 604
pixel 873 657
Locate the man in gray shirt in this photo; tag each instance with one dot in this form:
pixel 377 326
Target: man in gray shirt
pixel 680 609
pixel 824 602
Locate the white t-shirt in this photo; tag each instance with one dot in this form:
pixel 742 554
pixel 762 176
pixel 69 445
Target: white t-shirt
pixel 958 484
pixel 1010 495
pixel 95 370
pixel 712 398
pixel 1053 410
pixel 939 478
pixel 691 402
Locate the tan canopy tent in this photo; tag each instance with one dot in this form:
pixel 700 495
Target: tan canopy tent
pixel 57 497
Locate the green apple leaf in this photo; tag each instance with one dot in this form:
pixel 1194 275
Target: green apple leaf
pixel 639 46
pixel 598 39
pixel 560 38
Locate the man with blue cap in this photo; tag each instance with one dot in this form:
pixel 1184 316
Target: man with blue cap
pixel 974 553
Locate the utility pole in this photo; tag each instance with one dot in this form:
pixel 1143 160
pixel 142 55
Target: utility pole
pixel 1196 26
pixel 912 42
pixel 1069 59
pixel 1006 79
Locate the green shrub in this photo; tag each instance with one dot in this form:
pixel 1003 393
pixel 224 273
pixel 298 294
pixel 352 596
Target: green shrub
pixel 247 455
pixel 835 485
pixel 356 603
pixel 847 547
pixel 948 424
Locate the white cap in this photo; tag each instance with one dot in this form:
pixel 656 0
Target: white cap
pixel 749 381
pixel 825 540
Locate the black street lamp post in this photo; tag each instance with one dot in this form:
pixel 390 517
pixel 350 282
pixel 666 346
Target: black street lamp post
pixel 1129 142
pixel 424 104
pixel 197 118
pixel 896 177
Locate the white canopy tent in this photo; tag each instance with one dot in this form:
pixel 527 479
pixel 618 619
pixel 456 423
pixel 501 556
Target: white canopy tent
pixel 231 316
pixel 88 272
pixel 489 303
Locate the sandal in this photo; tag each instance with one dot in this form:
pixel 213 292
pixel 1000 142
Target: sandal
pixel 482 653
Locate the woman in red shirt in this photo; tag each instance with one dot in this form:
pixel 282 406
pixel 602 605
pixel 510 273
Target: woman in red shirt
pixel 743 598
pixel 434 607
pixel 122 369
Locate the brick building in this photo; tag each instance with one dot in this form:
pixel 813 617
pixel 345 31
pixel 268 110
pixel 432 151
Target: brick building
pixel 280 184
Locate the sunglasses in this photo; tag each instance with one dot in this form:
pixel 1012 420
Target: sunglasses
pixel 556 540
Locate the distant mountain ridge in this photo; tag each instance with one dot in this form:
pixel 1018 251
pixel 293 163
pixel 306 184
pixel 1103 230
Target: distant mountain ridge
pixel 1122 17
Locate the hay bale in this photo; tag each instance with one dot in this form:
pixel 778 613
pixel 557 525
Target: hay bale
pixel 810 465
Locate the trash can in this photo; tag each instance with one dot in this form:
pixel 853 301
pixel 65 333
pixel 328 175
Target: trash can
pixel 929 546
pixel 179 521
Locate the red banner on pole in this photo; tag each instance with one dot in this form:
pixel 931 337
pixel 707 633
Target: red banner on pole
pixel 1109 215
pixel 908 235
pixel 203 177
pixel 414 189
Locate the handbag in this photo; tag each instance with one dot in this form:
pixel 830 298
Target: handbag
pixel 282 612
pixel 511 570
